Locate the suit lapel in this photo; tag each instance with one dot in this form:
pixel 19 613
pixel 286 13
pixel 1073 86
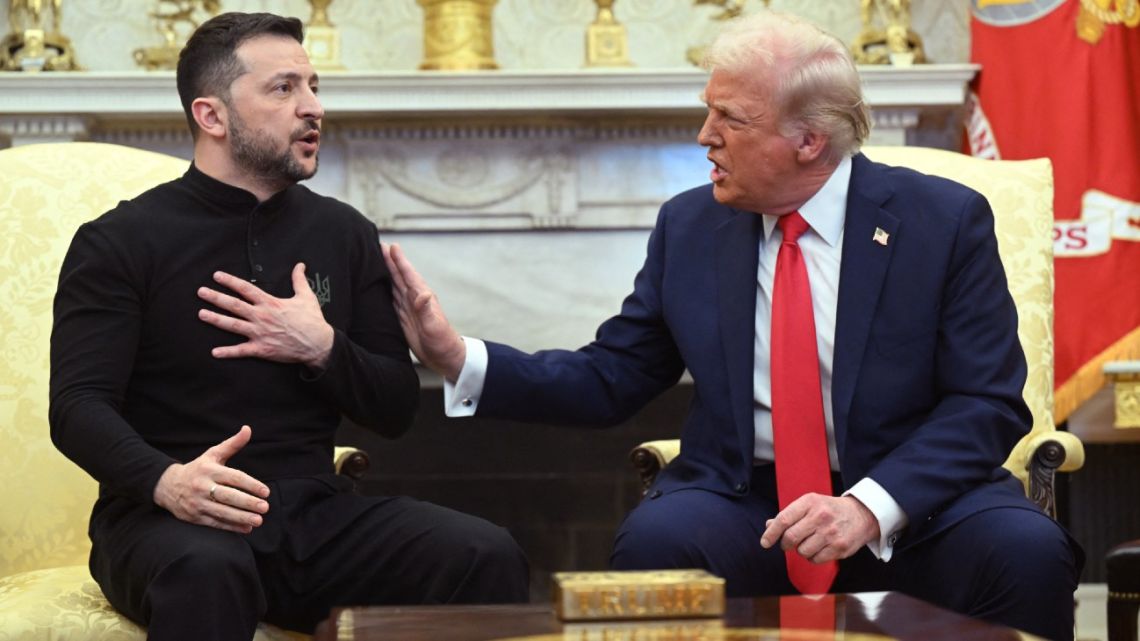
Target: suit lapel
pixel 737 259
pixel 866 255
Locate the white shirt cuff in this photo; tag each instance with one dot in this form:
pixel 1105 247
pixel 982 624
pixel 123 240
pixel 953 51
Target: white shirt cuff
pixel 892 520
pixel 462 397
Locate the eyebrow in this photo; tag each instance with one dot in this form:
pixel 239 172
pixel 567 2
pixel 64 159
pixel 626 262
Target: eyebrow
pixel 292 76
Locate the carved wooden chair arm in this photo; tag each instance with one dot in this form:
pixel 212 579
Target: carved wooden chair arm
pixel 351 462
pixel 1045 455
pixel 651 457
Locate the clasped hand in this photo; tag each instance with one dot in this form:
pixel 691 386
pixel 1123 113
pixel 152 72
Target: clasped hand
pixel 285 330
pixel 206 492
pixel 822 528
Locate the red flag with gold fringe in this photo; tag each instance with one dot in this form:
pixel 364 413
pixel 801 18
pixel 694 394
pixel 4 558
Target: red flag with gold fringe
pixel 1061 79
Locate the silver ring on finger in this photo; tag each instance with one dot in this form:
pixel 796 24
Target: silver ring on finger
pixel 213 488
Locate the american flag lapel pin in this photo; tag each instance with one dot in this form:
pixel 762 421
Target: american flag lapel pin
pixel 881 236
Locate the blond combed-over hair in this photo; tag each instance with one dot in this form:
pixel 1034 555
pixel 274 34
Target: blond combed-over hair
pixel 817 87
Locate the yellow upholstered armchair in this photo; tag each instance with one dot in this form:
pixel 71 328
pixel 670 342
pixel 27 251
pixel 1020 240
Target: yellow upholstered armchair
pixel 46 192
pixel 1021 194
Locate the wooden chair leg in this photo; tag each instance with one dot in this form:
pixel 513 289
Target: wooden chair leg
pixel 1122 615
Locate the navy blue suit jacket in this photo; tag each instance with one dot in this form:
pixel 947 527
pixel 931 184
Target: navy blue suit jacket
pixel 927 374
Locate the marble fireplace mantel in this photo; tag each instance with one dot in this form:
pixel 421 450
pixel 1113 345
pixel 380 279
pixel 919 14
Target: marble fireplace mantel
pixel 108 96
pixel 470 151
pixel 455 165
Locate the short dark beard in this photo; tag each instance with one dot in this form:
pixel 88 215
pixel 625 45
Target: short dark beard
pixel 257 155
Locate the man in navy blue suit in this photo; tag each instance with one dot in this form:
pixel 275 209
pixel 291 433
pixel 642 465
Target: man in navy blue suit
pixel 920 368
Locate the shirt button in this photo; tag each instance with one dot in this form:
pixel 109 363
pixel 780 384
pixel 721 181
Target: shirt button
pixel 893 539
pixel 467 402
pixel 741 488
pixel 257 268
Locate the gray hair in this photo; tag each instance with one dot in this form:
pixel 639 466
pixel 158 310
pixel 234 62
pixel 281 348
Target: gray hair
pixel 817 86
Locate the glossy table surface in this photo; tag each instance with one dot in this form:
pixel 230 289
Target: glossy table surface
pixel 872 616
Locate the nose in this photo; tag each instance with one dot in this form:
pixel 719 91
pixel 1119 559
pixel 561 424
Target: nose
pixel 708 136
pixel 310 107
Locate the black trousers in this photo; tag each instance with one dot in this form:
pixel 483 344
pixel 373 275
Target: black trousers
pixel 319 546
pixel 1011 566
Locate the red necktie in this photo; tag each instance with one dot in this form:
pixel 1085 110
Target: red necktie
pixel 799 436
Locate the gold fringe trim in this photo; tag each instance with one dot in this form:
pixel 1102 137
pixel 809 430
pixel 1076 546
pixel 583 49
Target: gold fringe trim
pixel 1090 377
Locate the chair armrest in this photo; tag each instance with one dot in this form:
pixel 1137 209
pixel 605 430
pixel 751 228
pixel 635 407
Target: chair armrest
pixel 351 462
pixel 651 457
pixel 1045 454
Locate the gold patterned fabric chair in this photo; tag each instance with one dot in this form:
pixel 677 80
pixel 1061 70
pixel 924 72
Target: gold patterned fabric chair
pixel 1021 195
pixel 46 192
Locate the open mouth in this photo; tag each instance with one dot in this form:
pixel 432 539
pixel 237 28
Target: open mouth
pixel 311 141
pixel 718 173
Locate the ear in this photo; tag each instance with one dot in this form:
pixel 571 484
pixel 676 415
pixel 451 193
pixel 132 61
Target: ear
pixel 810 146
pixel 211 116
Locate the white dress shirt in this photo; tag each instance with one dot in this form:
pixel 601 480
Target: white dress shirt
pixel 822 248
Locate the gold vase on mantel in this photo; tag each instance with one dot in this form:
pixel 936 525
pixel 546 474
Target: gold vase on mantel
pixel 457 35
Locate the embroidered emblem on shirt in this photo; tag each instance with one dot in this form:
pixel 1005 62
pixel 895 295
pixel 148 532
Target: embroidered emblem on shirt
pixel 320 287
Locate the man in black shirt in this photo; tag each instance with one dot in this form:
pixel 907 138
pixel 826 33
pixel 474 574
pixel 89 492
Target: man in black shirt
pixel 208 336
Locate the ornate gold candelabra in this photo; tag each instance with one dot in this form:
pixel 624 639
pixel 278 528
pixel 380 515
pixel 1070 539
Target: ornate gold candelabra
pixel 729 9
pixel 175 20
pixel 606 42
pixel 891 42
pixel 322 40
pixel 32 45
pixel 457 35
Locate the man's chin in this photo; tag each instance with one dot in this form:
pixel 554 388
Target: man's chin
pixel 308 166
pixel 721 195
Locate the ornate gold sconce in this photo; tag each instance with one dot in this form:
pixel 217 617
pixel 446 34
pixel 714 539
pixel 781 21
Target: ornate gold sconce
pixel 31 45
pixel 457 35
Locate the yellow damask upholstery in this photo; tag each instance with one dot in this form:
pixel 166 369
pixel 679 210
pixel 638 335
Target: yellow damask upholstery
pixel 1021 194
pixel 46 192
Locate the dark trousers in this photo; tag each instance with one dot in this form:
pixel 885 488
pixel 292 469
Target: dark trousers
pixel 319 546
pixel 1012 566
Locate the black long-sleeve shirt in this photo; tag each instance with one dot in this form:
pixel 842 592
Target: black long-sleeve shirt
pixel 134 387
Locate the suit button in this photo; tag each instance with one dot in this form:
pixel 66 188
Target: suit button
pixel 655 494
pixel 741 488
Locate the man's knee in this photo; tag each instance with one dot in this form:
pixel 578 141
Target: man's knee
pixel 211 580
pixel 491 545
pixel 646 541
pixel 486 566
pixel 1034 553
pixel 212 555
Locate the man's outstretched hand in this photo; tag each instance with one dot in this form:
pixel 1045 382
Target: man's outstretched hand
pixel 431 337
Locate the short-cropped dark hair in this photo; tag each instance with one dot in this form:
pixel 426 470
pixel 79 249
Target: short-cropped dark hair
pixel 208 64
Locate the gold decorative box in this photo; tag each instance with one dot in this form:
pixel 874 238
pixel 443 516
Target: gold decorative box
pixel 658 594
